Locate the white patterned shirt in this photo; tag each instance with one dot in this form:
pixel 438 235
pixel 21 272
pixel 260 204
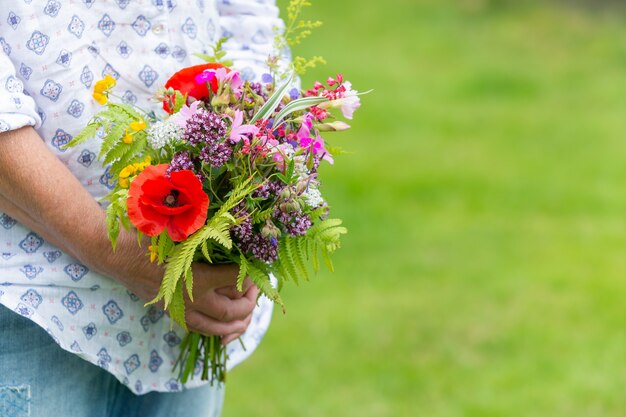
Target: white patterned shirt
pixel 51 54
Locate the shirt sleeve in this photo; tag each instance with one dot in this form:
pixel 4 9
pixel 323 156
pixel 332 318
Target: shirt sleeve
pixel 249 25
pixel 17 109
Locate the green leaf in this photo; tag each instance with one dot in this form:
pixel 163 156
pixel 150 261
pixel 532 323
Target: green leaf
pixel 113 136
pixel 262 280
pixel 189 283
pixel 177 306
pixel 205 252
pixel 180 101
pixel 286 261
pixel 243 272
pixel 270 105
pixel 87 133
pixel 297 105
pixel 113 226
pixel 127 110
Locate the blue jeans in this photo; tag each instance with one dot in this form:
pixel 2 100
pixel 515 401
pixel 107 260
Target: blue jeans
pixel 39 379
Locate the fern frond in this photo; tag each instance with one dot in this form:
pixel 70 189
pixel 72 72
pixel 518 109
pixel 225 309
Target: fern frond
pixel 261 279
pixel 125 109
pixel 113 227
pixel 286 263
pixel 115 133
pixel 177 306
pixel 296 258
pixel 243 272
pixel 87 133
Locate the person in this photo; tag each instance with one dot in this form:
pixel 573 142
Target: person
pixel 76 337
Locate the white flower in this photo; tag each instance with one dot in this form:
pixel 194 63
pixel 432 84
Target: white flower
pixel 313 197
pixel 163 133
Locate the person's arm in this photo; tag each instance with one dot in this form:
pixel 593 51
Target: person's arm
pixel 39 191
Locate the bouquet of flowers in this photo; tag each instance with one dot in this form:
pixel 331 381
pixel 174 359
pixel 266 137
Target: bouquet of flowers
pixel 227 174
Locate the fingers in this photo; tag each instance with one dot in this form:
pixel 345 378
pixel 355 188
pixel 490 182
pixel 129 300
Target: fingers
pixel 221 308
pixel 208 326
pixel 232 291
pixel 233 336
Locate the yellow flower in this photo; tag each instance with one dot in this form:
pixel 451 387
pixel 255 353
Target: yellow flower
pixel 138 126
pixel 106 83
pixel 153 253
pixel 100 98
pixel 127 171
pixel 124 182
pixel 128 138
pixel 101 89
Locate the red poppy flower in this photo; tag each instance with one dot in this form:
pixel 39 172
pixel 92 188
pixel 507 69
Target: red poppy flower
pixel 185 82
pixel 156 202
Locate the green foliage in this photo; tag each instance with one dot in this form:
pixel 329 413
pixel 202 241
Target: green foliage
pixel 297 105
pixel 295 253
pixel 301 65
pixel 270 105
pixel 116 214
pixel 87 133
pixel 218 54
pixel 296 30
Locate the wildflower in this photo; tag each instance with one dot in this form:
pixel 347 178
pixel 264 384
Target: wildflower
pixel 185 114
pixel 154 253
pixel 314 145
pixel 176 203
pixel 238 130
pixel 204 127
pixel 345 99
pixel 101 89
pixel 138 126
pixel 184 81
pixel 163 133
pixel 128 138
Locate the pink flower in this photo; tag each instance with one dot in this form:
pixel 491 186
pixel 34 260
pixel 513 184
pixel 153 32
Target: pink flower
pixel 235 81
pixel 185 114
pixel 238 130
pixel 314 145
pixel 348 101
pixel 222 75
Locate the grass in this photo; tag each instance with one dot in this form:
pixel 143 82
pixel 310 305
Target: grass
pixel 484 270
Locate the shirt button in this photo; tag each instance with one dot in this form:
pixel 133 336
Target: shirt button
pixel 158 28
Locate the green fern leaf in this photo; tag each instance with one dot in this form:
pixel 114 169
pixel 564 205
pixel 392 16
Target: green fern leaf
pixel 262 280
pixel 113 136
pixel 296 257
pixel 243 272
pixel 177 306
pixel 205 252
pixel 87 133
pixel 286 261
pixel 189 283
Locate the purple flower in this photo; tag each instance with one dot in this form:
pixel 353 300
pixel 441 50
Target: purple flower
pixel 204 127
pixel 294 93
pixel 180 162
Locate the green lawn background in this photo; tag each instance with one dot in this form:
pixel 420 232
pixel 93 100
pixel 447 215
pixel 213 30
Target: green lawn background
pixel 484 272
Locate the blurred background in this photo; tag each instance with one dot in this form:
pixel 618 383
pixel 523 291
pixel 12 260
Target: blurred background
pixel 484 271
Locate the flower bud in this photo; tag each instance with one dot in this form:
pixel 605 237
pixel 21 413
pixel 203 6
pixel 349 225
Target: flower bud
pixel 335 126
pixel 269 230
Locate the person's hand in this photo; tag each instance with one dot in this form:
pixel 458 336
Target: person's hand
pixel 218 308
